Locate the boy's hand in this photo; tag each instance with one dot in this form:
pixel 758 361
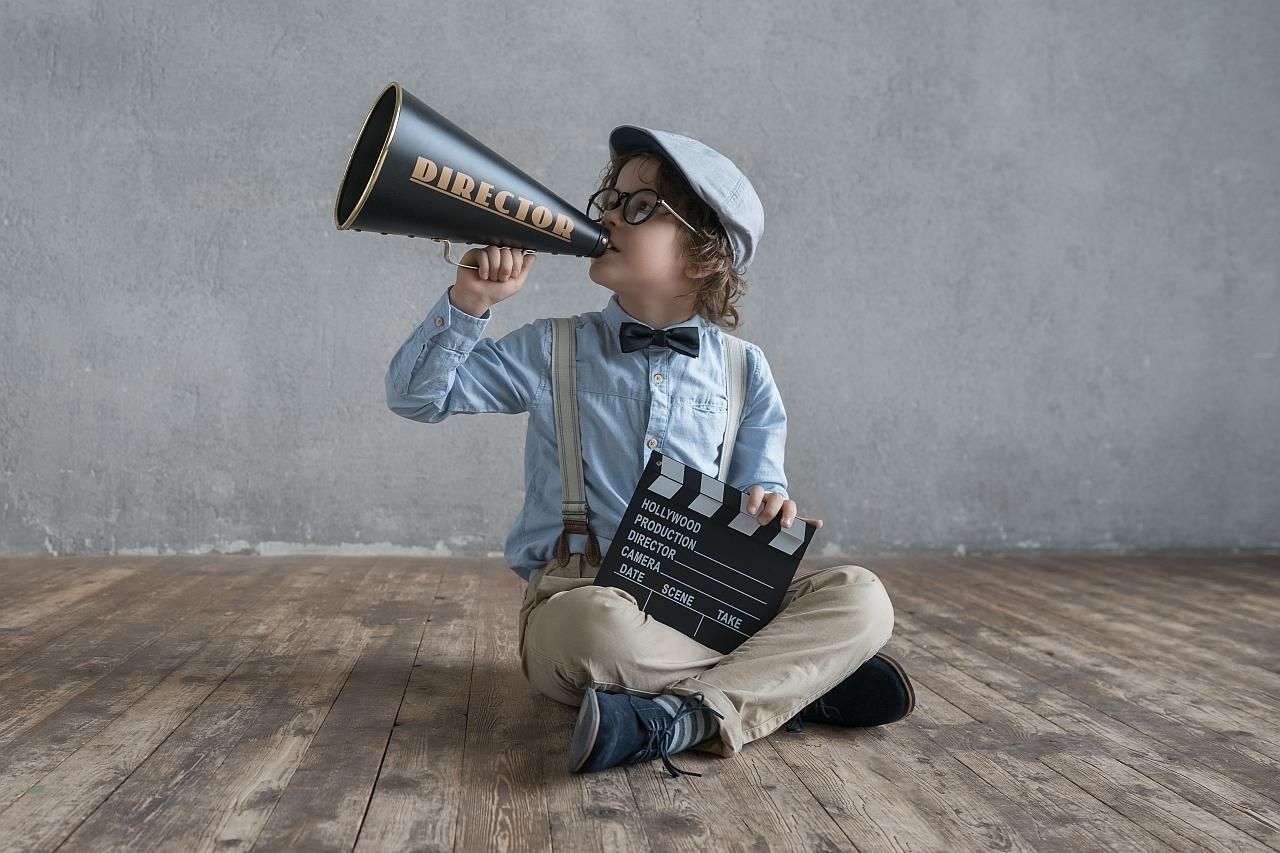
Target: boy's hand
pixel 772 502
pixel 502 273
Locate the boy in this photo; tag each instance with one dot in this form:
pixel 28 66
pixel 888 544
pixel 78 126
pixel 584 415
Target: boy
pixel 684 223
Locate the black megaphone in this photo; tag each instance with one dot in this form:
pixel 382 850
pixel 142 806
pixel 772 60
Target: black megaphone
pixel 415 173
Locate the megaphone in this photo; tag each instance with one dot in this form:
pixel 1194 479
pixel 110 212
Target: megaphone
pixel 414 173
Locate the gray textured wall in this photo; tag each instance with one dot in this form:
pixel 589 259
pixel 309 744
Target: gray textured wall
pixel 1020 284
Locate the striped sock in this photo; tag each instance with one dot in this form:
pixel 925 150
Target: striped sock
pixel 690 729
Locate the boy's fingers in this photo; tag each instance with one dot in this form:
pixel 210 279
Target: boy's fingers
pixel 753 499
pixel 772 502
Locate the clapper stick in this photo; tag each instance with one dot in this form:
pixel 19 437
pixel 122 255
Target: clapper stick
pixel 696 560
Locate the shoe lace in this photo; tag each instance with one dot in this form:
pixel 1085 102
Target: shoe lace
pixel 658 741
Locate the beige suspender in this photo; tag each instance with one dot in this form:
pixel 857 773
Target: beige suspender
pixel 564 381
pixel 736 382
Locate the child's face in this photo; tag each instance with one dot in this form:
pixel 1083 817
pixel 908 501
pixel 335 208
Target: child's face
pixel 651 262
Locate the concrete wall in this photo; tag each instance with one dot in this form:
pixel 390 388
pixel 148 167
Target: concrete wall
pixel 1020 284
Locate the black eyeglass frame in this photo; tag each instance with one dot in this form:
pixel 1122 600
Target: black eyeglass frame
pixel 624 200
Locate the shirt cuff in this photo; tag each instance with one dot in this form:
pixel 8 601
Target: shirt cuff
pixel 452 328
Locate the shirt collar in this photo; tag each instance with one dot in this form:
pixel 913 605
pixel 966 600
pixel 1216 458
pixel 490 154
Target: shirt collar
pixel 615 316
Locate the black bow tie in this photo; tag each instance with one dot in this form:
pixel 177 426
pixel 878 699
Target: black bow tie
pixel 682 339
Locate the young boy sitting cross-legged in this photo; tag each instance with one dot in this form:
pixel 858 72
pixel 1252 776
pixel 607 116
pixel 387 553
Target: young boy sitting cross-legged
pixel 684 223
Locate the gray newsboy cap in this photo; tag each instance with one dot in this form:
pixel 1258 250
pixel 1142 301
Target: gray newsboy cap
pixel 712 176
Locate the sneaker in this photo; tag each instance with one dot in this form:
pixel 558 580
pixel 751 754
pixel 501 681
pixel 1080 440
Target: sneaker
pixel 877 693
pixel 619 728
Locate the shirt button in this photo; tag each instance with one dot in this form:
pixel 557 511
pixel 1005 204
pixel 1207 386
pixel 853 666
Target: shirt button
pixel 657 377
pixel 439 320
pixel 653 442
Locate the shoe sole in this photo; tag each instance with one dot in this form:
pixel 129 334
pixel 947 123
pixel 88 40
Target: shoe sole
pixel 906 683
pixel 584 731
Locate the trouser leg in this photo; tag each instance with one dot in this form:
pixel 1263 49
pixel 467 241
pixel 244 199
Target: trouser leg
pixel 832 621
pixel 577 635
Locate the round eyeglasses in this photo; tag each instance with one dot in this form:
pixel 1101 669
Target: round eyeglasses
pixel 637 208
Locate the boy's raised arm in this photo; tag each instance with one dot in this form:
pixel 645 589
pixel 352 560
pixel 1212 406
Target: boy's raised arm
pixel 444 367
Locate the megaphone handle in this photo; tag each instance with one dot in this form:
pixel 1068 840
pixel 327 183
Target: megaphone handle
pixel 469 266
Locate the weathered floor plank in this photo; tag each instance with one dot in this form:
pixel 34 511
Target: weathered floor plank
pixel 416 797
pixel 328 794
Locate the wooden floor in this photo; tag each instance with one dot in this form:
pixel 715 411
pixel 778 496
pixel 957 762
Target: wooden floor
pixel 234 702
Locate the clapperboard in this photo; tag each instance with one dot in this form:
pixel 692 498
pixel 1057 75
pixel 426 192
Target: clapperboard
pixel 696 560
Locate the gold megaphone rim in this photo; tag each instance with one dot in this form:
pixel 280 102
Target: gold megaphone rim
pixel 382 156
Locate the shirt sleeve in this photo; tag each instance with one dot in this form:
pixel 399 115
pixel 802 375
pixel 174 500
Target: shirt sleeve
pixel 445 368
pixel 762 436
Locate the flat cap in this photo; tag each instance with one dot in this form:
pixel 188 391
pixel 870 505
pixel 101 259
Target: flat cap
pixel 713 176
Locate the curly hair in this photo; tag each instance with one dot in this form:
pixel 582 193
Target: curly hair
pixel 708 251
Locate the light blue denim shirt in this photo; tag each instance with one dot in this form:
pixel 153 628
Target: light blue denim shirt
pixel 630 404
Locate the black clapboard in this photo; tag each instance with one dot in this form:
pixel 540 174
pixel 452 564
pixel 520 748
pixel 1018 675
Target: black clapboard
pixel 695 560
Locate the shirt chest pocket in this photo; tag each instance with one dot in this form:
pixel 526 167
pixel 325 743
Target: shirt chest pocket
pixel 698 428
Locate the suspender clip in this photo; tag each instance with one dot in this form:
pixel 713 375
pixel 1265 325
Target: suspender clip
pixel 594 557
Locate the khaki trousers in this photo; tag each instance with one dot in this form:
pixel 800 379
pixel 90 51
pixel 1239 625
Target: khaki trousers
pixel 575 635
